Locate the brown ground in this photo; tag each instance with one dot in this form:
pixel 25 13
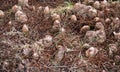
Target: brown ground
pixel 12 45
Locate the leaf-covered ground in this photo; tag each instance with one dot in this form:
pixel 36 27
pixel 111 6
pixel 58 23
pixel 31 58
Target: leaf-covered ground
pixel 62 43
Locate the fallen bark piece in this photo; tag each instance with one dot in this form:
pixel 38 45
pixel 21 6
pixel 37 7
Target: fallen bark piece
pixel 15 8
pixel 25 28
pixel 55 16
pixel 48 40
pixel 117 35
pixel 56 24
pixel 90 36
pixel 112 49
pixel 74 18
pixel 99 26
pixel 23 2
pixel 101 36
pixel 46 10
pixel 98 36
pixel 60 54
pixel 91 52
pixel 21 17
pixel 96 4
pixel 2 14
pixel 85 28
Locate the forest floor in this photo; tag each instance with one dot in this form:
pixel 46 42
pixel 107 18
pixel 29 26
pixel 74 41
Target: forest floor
pixel 79 39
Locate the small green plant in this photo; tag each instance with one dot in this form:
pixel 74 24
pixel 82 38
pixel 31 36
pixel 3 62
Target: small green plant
pixel 68 4
pixel 61 9
pixel 9 11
